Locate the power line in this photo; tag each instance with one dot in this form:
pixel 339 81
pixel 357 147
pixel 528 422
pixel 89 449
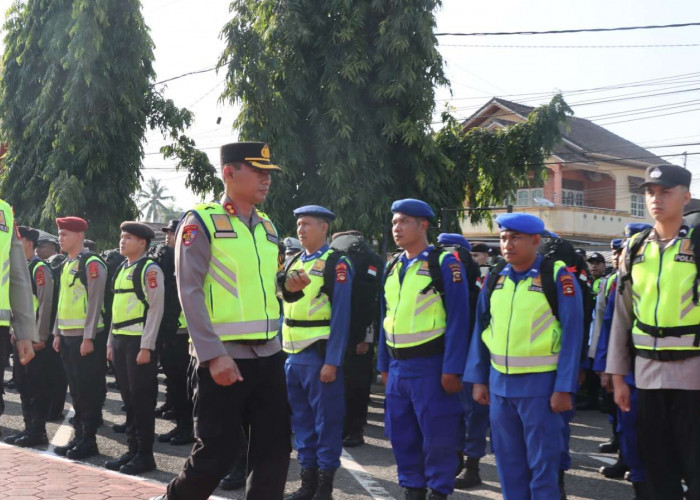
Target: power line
pixel 641 46
pixel 582 30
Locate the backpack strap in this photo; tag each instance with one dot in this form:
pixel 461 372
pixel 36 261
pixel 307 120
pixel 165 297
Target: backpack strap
pixel 329 274
pixel 491 282
pixel 32 266
pixel 549 287
pixel 81 274
pixel 390 266
pixel 632 250
pixel 436 281
pixel 695 245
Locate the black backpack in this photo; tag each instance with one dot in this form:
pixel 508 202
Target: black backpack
pixel 56 277
pixel 471 268
pixel 366 285
pixel 164 256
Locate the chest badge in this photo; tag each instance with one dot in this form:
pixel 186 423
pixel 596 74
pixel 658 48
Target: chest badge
pixel 223 225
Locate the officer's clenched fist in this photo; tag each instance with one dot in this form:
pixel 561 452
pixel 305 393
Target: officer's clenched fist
pixel 224 371
pixel 297 281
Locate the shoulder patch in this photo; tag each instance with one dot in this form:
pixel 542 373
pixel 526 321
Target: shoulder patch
pixel 270 230
pixel 152 279
pixel 424 269
pixel 318 267
pixel 189 234
pixel 456 270
pixel 93 270
pixel 39 276
pixel 567 285
pixel 341 272
pixel 3 223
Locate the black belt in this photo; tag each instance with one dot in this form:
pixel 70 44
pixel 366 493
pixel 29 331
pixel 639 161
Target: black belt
pixel 252 342
pixel 307 323
pixel 432 348
pixel 666 355
pixel 671 331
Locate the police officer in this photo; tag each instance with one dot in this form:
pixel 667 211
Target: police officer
pixel 47 251
pixel 476 416
pixel 137 311
pixel 32 379
pixel 226 265
pixel 533 357
pixel 77 334
pixel 292 246
pixel 174 348
pixel 422 350
pixel 657 301
pixel 315 335
pixel 626 422
pixel 15 296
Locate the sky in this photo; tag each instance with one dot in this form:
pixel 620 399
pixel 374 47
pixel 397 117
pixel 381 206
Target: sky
pixel 186 34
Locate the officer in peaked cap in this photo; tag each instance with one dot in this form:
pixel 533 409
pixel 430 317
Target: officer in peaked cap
pixel 421 354
pixel 230 249
pixel 528 380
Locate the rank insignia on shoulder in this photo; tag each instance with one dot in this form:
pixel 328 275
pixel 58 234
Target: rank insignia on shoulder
pixel 456 269
pixel 341 272
pixel 567 285
pixel 230 209
pixel 318 267
pixel 189 234
pixel 270 230
pixel 424 269
pixel 223 225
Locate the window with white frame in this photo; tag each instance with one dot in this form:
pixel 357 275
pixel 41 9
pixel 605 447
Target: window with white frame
pixel 526 197
pixel 637 205
pixel 572 197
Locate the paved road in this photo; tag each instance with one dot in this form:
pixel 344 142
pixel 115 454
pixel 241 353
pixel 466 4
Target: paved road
pixel 368 471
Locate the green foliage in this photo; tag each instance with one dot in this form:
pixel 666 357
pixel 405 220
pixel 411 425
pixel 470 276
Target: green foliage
pixel 343 92
pixel 153 196
pixel 488 166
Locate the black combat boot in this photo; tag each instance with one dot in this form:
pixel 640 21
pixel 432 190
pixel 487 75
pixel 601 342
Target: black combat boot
pixel 309 483
pixel 86 447
pixel 32 438
pixel 610 446
pixel 415 493
pixel 616 470
pixel 142 462
pixel 470 476
pixel 14 437
pixel 127 457
pixel 236 477
pixel 63 450
pixel 324 491
pixel 640 491
pixel 436 495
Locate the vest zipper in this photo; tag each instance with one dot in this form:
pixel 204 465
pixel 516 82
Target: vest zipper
pixel 510 318
pixel 398 302
pixel 262 285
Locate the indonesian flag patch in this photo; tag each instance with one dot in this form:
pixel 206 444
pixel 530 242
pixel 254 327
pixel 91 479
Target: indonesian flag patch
pixel 372 270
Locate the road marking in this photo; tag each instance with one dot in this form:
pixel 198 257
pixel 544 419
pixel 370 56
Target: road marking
pixel 64 433
pixel 363 477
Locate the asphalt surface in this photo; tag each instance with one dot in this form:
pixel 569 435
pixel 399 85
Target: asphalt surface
pixel 368 471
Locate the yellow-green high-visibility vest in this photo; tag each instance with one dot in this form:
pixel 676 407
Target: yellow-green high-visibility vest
pixel 596 286
pixel 299 330
pixel 523 335
pixel 72 297
pixel 130 305
pixel 666 319
pixel 414 316
pixel 240 285
pixel 7 226
pixel 609 282
pixel 181 321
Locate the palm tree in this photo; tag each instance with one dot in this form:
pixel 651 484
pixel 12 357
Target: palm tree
pixel 154 196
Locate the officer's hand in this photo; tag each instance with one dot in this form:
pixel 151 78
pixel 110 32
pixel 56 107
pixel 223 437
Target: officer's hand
pixel 385 376
pixel 480 393
pixel 57 343
pixel 86 347
pixel 110 354
pixel 13 339
pixel 328 373
pixel 25 352
pixel 297 281
pixel 606 382
pixel 143 357
pixel 561 401
pixel 362 348
pixel 224 371
pixel 38 346
pixel 451 383
pixel 622 392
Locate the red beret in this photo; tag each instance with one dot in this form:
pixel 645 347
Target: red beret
pixel 75 224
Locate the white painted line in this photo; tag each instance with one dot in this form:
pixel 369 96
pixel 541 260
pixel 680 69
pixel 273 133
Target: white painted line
pixel 363 477
pixel 64 433
pixel 600 458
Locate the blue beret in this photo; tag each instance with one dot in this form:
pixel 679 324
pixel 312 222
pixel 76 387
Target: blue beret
pixel 634 228
pixel 412 207
pixel 616 244
pixel 549 234
pixel 521 223
pixel 315 211
pixel 454 239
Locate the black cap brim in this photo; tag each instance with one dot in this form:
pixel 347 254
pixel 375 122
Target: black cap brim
pixel 659 183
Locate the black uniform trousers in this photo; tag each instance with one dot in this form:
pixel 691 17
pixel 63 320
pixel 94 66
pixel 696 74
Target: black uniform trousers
pixel 359 370
pixel 259 403
pixel 33 387
pixel 85 380
pixel 138 385
pixel 5 349
pixel 669 442
pixel 57 380
pixel 175 359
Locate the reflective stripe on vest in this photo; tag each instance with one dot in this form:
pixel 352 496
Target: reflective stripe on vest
pixel 72 298
pixel 313 306
pixel 662 294
pixel 126 305
pixel 7 226
pixel 412 318
pixel 240 284
pixel 523 334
